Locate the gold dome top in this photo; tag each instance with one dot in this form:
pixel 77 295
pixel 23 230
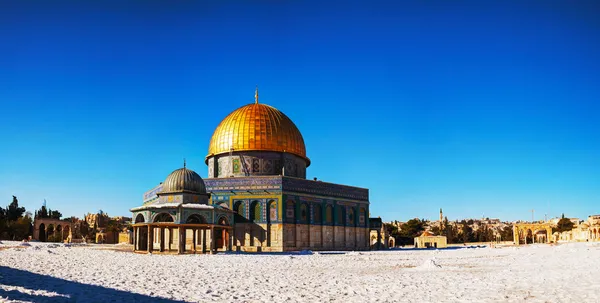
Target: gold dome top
pixel 257 127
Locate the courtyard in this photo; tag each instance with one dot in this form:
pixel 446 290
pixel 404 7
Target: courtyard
pixel 46 272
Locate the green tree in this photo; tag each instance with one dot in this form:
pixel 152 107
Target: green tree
pixel 55 214
pixel 42 213
pixel 466 234
pixel 506 234
pixel 2 221
pixel 436 230
pixel 20 229
pixel 412 228
pixel 564 224
pixel 14 212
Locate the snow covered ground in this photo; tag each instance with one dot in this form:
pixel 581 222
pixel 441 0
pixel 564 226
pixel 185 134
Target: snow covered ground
pixel 57 273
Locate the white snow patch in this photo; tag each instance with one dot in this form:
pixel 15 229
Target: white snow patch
pixel 429 264
pixel 86 274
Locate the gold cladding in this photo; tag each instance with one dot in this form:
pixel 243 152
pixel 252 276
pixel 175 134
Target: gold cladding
pixel 257 127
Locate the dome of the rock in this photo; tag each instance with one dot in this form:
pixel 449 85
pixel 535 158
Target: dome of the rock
pixel 257 127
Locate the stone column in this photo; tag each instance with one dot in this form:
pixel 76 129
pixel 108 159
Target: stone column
pixel 355 232
pixel 516 235
pixel 212 240
pixel 181 246
pixel 230 240
pixel 194 239
pixel 204 240
pixel 162 239
pixel 150 238
pixel 170 237
pixel 136 239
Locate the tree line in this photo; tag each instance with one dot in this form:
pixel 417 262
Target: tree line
pixel 460 232
pixel 15 222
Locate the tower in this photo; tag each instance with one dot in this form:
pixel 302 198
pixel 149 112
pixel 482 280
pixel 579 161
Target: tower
pixel 441 216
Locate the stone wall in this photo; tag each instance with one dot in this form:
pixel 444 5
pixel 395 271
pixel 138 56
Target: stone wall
pixel 258 237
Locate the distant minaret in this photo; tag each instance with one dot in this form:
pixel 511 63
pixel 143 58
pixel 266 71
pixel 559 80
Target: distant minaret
pixel 441 216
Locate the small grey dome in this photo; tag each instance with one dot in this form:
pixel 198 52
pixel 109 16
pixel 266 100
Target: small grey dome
pixel 184 179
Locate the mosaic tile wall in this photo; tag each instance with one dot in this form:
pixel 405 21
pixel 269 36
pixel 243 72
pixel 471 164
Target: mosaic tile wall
pixel 256 164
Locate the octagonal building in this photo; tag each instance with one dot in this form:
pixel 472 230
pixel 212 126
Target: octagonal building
pixel 257 166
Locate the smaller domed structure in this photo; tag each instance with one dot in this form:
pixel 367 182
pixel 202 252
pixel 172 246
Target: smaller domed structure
pixel 182 203
pixel 184 180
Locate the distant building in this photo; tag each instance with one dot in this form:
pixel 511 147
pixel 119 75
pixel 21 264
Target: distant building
pixel 429 240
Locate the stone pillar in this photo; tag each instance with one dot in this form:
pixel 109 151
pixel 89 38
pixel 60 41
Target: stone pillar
pixel 181 244
pixel 355 232
pixel 134 239
pixel 203 240
pixel 170 237
pixel 308 231
pixel 150 238
pixel 162 239
pixel 516 235
pixel 230 244
pixel 212 240
pixel 548 234
pixel 194 239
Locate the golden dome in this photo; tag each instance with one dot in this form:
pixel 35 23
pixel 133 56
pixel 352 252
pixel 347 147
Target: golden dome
pixel 257 127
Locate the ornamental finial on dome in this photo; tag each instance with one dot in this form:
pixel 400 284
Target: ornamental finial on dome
pixel 183 162
pixel 256 95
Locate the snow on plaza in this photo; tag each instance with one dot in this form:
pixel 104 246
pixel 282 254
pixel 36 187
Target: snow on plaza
pixel 45 272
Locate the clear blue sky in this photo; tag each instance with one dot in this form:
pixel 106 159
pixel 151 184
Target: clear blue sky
pixel 476 107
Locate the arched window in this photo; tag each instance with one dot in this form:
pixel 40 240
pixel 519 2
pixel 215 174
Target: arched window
pixel 163 217
pixel 317 218
pixel 140 218
pixel 223 221
pixel 351 220
pixel 272 211
pixel 361 216
pixel 341 215
pixel 303 212
pixel 329 214
pixel 255 214
pixel 240 215
pixel 195 219
pixel 290 212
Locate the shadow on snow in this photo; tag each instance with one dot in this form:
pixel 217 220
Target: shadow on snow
pixel 433 248
pixel 76 292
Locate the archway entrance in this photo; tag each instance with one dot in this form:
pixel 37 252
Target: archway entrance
pixel 42 233
pixel 527 233
pixel 540 236
pixel 66 232
pixel 222 238
pixel 528 237
pixel 50 233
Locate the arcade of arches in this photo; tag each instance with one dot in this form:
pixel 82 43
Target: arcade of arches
pixel 163 235
pixel 52 230
pixel 529 233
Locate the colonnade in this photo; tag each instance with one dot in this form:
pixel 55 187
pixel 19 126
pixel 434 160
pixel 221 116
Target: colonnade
pixel 204 238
